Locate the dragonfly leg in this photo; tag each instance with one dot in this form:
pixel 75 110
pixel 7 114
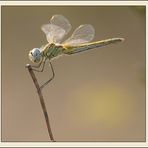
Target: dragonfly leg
pixel 38 66
pixel 53 74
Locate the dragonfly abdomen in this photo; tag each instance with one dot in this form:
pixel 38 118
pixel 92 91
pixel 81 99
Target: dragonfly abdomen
pixel 87 46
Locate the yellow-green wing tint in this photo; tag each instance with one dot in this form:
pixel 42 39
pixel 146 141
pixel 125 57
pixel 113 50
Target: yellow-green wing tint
pixel 69 49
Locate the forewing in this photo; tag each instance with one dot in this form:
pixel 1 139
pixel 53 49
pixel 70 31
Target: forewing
pixel 62 22
pixel 54 34
pixel 58 27
pixel 83 34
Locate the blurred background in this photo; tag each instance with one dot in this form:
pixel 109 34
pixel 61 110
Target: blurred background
pixel 98 95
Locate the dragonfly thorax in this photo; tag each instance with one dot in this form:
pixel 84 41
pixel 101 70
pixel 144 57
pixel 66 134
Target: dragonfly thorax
pixel 35 55
pixel 52 50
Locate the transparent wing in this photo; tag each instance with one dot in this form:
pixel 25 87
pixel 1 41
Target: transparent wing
pixel 83 34
pixel 62 22
pixel 58 27
pixel 54 34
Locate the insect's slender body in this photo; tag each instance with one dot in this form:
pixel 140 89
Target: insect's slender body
pixel 55 31
pixel 53 50
pixel 84 47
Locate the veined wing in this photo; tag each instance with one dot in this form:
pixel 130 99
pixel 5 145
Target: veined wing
pixel 82 34
pixel 87 46
pixel 58 27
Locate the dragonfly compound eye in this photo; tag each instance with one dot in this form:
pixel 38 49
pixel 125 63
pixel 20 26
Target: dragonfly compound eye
pixel 35 55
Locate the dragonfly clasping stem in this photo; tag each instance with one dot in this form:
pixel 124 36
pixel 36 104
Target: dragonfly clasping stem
pixel 29 67
pixel 34 68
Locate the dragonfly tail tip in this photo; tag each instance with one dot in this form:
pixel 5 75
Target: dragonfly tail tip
pixel 122 39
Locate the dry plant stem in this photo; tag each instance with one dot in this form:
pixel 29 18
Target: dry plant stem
pixel 41 101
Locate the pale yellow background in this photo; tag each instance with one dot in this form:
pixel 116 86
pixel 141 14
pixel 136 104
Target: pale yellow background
pixel 97 95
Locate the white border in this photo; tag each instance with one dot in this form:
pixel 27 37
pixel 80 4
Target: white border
pixel 80 3
pixel 77 144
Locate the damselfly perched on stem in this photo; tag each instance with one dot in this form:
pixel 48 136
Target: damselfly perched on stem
pixel 55 32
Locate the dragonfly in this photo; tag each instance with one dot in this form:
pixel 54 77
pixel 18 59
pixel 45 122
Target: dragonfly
pixel 55 32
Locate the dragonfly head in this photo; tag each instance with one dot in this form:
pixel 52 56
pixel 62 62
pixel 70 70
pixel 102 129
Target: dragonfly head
pixel 35 55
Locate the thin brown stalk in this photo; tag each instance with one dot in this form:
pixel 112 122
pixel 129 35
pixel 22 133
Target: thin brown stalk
pixel 41 101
